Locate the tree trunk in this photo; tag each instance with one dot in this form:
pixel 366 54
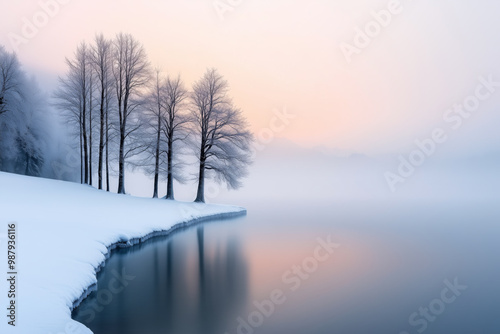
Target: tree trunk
pixel 121 157
pixel 200 195
pixel 155 187
pixel 81 154
pixel 121 153
pixel 85 145
pixel 121 164
pixel 107 148
pixel 101 141
pixel 90 137
pixel 157 157
pixel 170 178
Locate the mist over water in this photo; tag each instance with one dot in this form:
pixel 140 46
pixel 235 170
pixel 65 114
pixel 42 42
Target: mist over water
pixel 284 171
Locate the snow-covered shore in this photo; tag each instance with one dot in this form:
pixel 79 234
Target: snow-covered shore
pixel 64 233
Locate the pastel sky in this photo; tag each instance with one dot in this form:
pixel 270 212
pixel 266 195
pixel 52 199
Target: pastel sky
pixel 286 54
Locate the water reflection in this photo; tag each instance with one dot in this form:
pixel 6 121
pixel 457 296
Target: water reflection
pixel 222 285
pixel 393 260
pixel 176 288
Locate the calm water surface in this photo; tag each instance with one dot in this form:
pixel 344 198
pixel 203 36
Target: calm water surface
pixel 399 268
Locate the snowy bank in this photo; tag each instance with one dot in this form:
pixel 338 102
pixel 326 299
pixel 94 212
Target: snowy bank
pixel 64 234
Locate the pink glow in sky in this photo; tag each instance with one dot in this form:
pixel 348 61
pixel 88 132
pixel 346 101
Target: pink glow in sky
pixel 280 54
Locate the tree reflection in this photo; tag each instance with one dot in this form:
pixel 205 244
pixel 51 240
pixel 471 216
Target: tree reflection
pixel 194 282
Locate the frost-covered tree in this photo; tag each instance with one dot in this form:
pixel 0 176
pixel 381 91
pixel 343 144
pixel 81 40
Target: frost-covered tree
pixel 152 120
pixel 174 127
pixel 74 98
pixel 11 81
pixel 224 138
pixel 164 129
pixel 68 99
pixel 101 95
pixel 131 74
pixel 101 59
pixel 32 140
pixel 24 120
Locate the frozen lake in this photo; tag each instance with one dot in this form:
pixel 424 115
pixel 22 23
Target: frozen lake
pixel 401 267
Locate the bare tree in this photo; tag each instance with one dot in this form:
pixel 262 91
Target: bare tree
pixel 224 138
pixel 69 101
pixel 101 61
pixel 175 129
pixel 165 126
pixel 10 81
pixel 82 66
pixel 72 97
pixel 131 74
pixel 108 109
pixel 153 120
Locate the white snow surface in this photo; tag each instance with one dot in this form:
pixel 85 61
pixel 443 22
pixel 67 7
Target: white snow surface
pixel 64 233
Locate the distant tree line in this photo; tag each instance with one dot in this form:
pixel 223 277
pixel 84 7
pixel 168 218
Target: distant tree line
pixel 125 114
pixel 25 124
